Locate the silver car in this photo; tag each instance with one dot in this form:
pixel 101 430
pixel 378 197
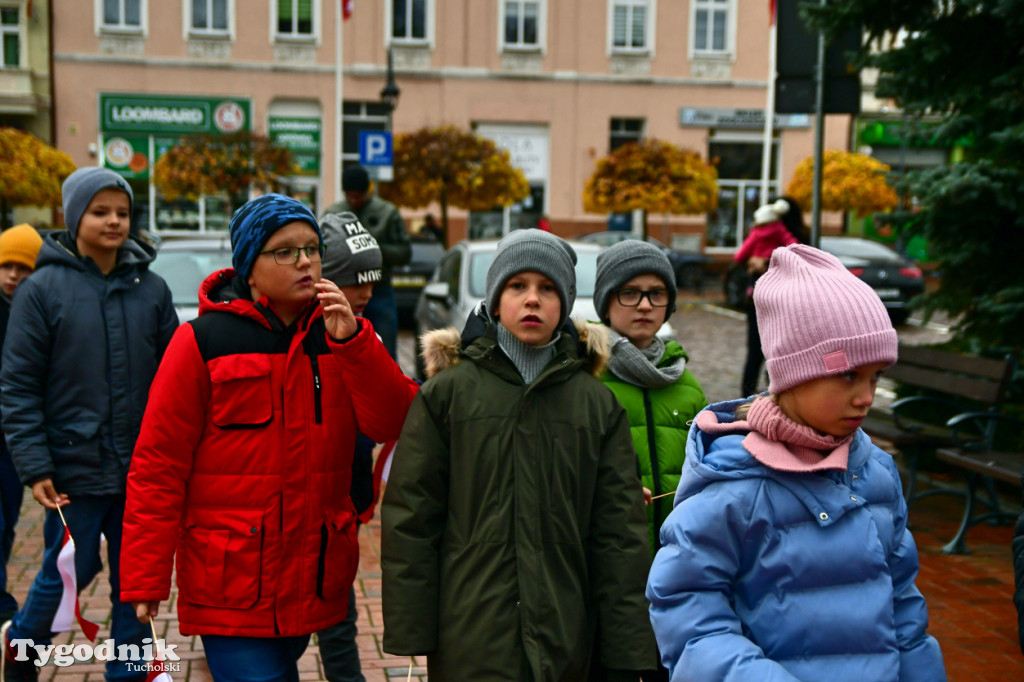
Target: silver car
pixel 185 263
pixel 458 284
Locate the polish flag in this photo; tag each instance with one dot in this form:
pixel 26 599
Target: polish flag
pixel 157 667
pixel 68 608
pixel 771 11
pixel 346 8
pixel 381 470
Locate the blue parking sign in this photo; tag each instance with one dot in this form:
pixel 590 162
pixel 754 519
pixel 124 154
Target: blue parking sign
pixel 375 148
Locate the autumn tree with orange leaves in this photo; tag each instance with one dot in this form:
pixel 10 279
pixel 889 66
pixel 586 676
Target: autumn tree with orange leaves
pixel 31 172
pixel 850 182
pixel 452 167
pixel 653 176
pixel 216 164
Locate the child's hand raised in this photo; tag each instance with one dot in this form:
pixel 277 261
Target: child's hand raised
pixel 338 316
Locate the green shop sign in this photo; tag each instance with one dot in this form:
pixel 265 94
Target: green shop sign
pixel 183 115
pixel 302 137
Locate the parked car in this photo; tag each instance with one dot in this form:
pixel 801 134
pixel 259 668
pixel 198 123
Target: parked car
pixel 894 278
pixel 185 263
pixel 689 267
pixel 458 283
pixel 408 280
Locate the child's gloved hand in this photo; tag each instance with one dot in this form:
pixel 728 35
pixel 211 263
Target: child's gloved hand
pixel 338 316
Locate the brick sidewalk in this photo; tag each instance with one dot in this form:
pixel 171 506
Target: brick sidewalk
pixel 969 597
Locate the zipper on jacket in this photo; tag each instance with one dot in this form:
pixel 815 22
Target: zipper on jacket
pixel 652 454
pixel 316 388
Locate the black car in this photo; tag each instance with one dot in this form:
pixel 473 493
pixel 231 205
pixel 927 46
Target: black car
pixel 689 267
pixel 408 280
pixel 895 279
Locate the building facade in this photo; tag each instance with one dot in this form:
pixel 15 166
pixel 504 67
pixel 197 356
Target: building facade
pixel 558 84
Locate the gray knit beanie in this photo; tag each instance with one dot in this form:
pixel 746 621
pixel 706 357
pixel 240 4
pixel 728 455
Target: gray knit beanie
pixel 353 256
pixel 81 186
pixel 533 251
pixel 622 262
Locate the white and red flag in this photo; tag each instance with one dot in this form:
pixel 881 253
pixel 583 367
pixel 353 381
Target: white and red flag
pixel 346 8
pixel 68 610
pixel 381 469
pixel 158 667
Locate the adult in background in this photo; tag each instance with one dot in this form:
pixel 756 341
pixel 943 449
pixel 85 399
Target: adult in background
pixel 779 223
pixel 383 221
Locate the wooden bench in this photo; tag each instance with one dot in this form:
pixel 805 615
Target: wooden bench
pixel 916 424
pixel 982 462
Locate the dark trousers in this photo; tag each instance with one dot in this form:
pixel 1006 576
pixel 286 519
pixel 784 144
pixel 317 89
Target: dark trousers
pixel 755 356
pixel 11 494
pixel 338 648
pixel 254 659
pixel 382 312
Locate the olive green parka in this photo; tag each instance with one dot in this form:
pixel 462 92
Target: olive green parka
pixel 513 527
pixel 659 421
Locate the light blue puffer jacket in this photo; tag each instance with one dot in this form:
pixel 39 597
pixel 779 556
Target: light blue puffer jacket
pixel 772 576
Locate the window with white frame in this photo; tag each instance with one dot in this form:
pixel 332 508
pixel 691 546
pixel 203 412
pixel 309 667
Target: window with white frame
pixel 630 29
pixel 295 18
pixel 209 17
pixel 409 20
pixel 11 32
pixel 124 15
pixel 711 27
pixel 521 28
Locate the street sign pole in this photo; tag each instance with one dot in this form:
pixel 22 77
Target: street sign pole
pixel 819 139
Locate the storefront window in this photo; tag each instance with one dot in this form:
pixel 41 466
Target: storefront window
pixel 739 189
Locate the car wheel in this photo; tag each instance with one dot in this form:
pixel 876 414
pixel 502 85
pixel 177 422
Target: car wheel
pixel 898 316
pixel 735 287
pixel 421 370
pixel 688 276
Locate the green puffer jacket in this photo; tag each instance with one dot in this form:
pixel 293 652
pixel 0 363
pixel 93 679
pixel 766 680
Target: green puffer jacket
pixel 512 522
pixel 660 417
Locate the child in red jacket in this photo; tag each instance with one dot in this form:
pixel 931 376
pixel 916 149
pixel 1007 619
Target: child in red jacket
pixel 243 467
pixel 767 234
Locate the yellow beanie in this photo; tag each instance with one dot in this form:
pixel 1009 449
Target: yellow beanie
pixel 20 244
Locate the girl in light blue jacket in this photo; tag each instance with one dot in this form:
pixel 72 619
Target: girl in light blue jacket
pixel 787 555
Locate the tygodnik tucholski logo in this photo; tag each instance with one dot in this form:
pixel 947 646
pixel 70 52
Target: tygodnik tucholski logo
pixel 68 654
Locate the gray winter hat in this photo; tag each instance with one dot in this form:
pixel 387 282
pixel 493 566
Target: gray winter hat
pixel 622 262
pixel 352 255
pixel 533 251
pixel 82 185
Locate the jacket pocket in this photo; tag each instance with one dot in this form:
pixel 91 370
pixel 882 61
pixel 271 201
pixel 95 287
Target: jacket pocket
pixel 74 442
pixel 339 554
pixel 219 558
pixel 241 395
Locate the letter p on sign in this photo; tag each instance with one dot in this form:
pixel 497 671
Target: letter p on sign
pixel 375 148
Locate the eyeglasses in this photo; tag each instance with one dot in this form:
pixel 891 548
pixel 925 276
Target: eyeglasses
pixel 631 298
pixel 289 255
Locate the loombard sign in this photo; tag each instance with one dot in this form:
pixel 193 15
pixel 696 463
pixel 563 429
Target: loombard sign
pixel 184 115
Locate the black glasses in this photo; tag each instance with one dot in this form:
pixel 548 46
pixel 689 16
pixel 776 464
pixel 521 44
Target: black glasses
pixel 289 255
pixel 631 298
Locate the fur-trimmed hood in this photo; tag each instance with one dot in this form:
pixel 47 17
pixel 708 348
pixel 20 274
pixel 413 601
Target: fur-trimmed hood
pixel 443 348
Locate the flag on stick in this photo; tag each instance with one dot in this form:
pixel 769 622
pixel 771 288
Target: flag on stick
pixel 69 608
pixel 381 469
pixel 771 11
pixel 157 667
pixel 346 8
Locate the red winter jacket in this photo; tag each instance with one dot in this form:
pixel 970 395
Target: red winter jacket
pixel 243 466
pixel 763 239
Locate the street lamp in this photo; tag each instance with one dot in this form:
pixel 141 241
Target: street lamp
pixel 389 94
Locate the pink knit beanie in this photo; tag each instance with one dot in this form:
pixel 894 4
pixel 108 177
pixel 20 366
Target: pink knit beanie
pixel 817 319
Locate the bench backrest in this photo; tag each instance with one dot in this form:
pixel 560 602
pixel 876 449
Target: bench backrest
pixel 968 376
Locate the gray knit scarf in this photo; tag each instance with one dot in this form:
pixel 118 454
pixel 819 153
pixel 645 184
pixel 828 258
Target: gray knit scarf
pixel 529 360
pixel 639 367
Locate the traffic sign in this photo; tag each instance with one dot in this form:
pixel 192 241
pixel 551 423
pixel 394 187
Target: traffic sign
pixel 375 148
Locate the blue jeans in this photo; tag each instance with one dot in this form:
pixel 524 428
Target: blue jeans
pixel 87 517
pixel 254 659
pixel 11 493
pixel 382 312
pixel 338 648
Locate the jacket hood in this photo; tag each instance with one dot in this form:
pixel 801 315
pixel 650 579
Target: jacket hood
pixel 443 348
pixel 225 291
pixel 59 249
pixel 717 454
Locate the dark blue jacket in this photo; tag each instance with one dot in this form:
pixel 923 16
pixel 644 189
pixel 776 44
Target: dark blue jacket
pixel 80 353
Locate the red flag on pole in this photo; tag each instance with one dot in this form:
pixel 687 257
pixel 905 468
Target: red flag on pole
pixel 381 469
pixel 346 8
pixel 771 11
pixel 68 608
pixel 158 666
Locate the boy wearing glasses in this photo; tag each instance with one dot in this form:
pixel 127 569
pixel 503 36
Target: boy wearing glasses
pixel 634 294
pixel 243 466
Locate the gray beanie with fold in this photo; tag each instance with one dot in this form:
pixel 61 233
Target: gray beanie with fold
pixel 533 251
pixel 81 186
pixel 352 255
pixel 622 262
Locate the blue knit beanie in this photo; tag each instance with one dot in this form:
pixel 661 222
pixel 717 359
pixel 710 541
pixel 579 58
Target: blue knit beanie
pixel 252 225
pixel 81 186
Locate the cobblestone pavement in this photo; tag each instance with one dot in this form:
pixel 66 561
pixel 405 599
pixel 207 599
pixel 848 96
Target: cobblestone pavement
pixel 969 597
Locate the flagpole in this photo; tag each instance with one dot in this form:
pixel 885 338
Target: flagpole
pixel 338 101
pixel 769 107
